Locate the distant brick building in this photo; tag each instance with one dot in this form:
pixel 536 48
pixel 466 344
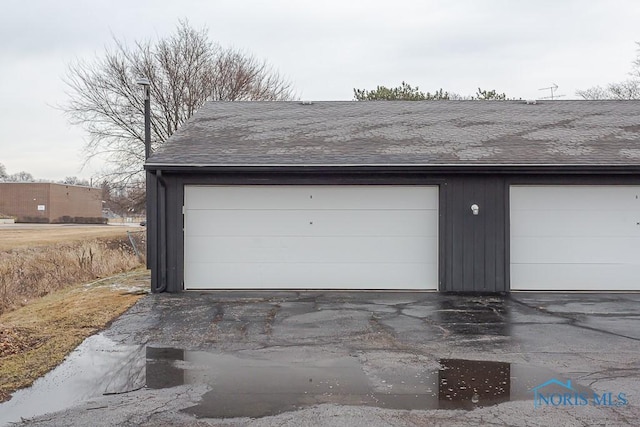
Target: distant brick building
pixel 51 203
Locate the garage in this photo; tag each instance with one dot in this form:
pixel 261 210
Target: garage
pixel 465 197
pixel 575 238
pixel 311 237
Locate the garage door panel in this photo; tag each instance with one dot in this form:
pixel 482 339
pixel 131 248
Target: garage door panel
pixel 575 237
pixel 596 223
pixel 309 275
pixel 310 197
pixel 304 249
pixel 304 237
pixel 310 223
pixel 576 250
pixel 576 197
pixel 571 277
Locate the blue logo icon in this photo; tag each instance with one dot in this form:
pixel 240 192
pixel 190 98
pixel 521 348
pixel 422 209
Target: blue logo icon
pixel 557 393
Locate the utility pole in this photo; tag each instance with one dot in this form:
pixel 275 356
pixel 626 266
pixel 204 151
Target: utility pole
pixel 145 83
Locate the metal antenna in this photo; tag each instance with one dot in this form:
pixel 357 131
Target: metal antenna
pixel 552 89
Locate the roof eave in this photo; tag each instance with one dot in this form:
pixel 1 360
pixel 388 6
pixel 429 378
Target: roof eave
pixel 431 168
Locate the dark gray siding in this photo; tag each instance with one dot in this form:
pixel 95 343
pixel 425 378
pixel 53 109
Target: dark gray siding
pixel 175 235
pixel 165 232
pixel 473 250
pixel 152 229
pixel 155 234
pixel 474 244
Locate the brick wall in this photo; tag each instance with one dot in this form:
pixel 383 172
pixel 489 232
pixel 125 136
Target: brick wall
pixel 29 202
pixel 74 202
pixel 46 202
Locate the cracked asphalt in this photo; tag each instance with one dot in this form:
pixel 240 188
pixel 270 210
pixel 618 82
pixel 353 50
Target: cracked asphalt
pixel 358 359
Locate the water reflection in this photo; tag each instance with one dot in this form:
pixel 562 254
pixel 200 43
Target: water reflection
pixel 467 383
pixel 279 381
pixel 475 316
pixel 161 372
pixel 250 387
pixel 96 367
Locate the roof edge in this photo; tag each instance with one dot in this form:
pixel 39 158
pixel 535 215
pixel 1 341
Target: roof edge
pixel 431 168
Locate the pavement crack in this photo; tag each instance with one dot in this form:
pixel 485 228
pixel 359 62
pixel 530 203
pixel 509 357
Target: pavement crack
pixel 269 319
pixel 573 321
pixel 123 392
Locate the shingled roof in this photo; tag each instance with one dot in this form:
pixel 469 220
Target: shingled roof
pixel 348 133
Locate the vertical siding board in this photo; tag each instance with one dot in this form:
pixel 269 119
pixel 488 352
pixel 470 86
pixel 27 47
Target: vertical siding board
pixel 152 229
pixel 503 264
pixel 468 236
pixel 447 237
pixel 457 237
pixel 174 233
pixel 180 235
pixel 450 236
pixel 476 243
pixel 479 234
pixel 490 247
pixel 501 235
pixel 444 244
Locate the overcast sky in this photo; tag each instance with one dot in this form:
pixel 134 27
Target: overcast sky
pixel 326 48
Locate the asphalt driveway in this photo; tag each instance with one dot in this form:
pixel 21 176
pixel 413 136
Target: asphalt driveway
pixel 347 358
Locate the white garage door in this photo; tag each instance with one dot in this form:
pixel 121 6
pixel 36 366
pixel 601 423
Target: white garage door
pixel 311 237
pixel 583 238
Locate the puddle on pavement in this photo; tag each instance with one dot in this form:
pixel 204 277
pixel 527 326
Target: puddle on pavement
pixel 95 367
pixel 256 387
pixel 489 316
pixel 249 387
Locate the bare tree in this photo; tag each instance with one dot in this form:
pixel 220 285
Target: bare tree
pixel 185 70
pixel 624 90
pixel 74 180
pixel 123 200
pixel 21 176
pixel 594 93
pixel 628 89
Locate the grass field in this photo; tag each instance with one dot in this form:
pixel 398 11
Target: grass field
pixel 15 236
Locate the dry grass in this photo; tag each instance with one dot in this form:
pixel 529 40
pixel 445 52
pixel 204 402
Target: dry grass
pixel 28 273
pixel 46 308
pixel 37 337
pixel 25 235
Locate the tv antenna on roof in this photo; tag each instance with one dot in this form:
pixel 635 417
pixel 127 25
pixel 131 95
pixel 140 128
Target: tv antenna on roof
pixel 552 89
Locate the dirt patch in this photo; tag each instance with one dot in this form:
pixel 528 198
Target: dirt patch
pixel 37 337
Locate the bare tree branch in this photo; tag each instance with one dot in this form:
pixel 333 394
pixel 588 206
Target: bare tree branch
pixel 185 70
pixel 624 90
